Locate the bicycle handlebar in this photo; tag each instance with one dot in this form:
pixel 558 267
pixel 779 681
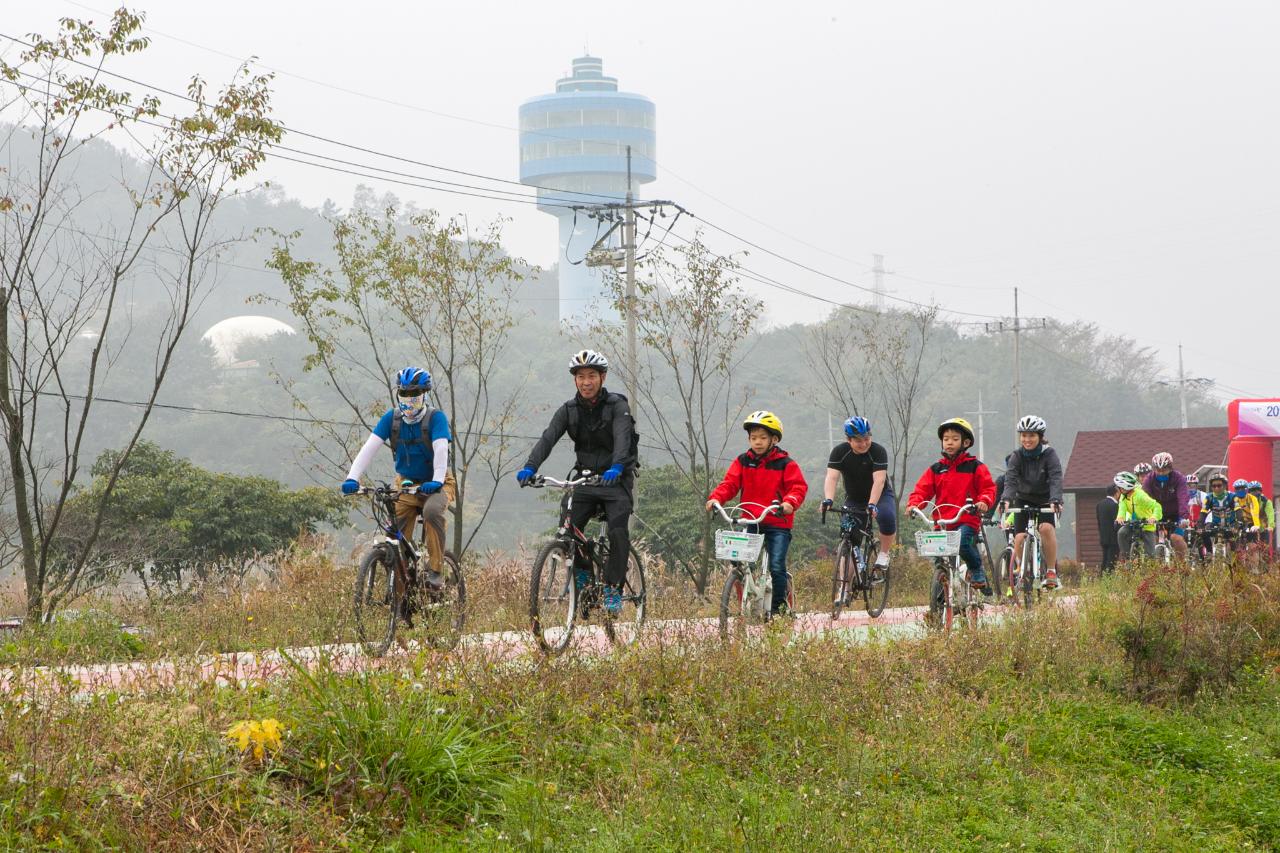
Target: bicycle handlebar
pixel 541 481
pixel 771 509
pixel 846 510
pixel 967 508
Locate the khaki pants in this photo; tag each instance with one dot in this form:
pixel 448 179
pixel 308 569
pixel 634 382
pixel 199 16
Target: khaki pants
pixel 432 509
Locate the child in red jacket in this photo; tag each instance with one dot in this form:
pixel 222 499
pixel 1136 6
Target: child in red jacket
pixel 765 474
pixel 954 480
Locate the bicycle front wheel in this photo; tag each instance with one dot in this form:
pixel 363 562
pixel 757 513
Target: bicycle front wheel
pixel 377 603
pixel 440 613
pixel 876 592
pixel 553 598
pixel 624 628
pixel 841 578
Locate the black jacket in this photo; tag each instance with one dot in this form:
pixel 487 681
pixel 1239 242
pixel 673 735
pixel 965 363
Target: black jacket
pixel 1107 521
pixel 1036 480
pixel 601 433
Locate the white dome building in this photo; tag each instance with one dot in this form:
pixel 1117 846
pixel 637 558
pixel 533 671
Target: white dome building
pixel 228 336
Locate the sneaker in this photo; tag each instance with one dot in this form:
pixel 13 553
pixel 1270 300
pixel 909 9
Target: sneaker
pixel 978 581
pixel 882 561
pixel 877 574
pixel 581 578
pixel 1050 580
pixel 612 600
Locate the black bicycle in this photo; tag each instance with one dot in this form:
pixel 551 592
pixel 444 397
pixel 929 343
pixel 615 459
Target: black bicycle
pixel 855 570
pixel 394 587
pixel 559 596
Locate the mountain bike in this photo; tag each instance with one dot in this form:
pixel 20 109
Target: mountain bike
pixel 950 590
pixel 560 596
pixel 391 589
pixel 855 569
pixel 1028 584
pixel 1136 548
pixel 747 596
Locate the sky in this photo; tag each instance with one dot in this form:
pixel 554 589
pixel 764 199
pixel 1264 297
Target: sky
pixel 1117 162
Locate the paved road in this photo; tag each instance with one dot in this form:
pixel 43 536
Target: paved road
pixel 240 668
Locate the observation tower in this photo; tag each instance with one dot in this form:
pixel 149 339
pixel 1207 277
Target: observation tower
pixel 573 148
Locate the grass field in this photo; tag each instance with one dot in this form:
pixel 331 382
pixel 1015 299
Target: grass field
pixel 1146 718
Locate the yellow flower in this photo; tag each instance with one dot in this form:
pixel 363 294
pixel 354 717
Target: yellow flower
pixel 256 736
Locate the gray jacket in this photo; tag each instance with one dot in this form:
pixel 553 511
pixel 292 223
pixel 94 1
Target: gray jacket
pixel 1036 480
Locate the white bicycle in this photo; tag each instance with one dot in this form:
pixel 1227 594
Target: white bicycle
pixel 950 591
pixel 748 590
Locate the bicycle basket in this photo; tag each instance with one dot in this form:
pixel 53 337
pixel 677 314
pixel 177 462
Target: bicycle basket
pixel 737 545
pixel 938 543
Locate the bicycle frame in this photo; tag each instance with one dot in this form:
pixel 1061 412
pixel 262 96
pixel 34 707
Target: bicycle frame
pixel 1031 552
pixel 860 539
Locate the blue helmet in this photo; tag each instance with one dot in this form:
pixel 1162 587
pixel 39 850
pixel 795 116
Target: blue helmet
pixel 857 426
pixel 413 378
pixel 1255 484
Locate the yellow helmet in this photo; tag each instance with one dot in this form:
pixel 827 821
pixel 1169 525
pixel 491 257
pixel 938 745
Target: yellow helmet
pixel 768 420
pixel 966 428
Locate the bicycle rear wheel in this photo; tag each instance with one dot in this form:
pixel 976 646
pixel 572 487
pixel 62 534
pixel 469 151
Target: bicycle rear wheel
pixel 841 577
pixel 875 595
pixel 624 628
pixel 440 614
pixel 376 601
pixel 553 598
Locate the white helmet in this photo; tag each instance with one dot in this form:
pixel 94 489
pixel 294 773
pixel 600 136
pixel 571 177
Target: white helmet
pixel 1125 481
pixel 588 358
pixel 1142 469
pixel 1031 423
pixel 1162 460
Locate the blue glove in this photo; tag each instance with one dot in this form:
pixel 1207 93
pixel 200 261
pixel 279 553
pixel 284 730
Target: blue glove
pixel 430 487
pixel 524 475
pixel 827 503
pixel 350 487
pixel 611 476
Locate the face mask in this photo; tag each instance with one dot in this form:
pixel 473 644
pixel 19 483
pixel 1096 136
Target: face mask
pixel 1162 478
pixel 1241 493
pixel 412 408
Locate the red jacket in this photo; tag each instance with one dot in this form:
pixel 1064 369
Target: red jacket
pixel 955 482
pixel 763 480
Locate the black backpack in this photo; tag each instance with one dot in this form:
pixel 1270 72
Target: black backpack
pixel 575 420
pixel 397 419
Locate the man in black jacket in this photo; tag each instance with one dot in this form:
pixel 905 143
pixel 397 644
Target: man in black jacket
pixel 602 429
pixel 1107 529
pixel 1033 478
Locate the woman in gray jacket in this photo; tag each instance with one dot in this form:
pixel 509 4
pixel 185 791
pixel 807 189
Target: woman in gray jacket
pixel 1033 478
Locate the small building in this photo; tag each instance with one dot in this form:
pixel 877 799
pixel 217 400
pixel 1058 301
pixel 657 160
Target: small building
pixel 1097 455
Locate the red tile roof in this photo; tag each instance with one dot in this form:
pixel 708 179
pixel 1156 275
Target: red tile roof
pixel 1097 455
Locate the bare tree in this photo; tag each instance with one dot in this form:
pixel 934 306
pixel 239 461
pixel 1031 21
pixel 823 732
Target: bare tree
pixel 65 281
pixel 692 322
pixel 836 351
pixel 406 287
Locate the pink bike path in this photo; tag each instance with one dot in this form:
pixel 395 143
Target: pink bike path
pixel 238 669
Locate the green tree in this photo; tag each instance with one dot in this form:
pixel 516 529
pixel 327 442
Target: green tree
pixel 169 522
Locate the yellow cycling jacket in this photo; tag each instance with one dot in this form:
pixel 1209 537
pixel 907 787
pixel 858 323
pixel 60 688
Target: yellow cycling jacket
pixel 1138 505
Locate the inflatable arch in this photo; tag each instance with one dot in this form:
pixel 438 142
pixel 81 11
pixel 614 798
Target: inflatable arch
pixel 1253 426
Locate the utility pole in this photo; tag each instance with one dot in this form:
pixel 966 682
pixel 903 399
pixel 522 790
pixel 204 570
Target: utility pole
pixel 982 450
pixel 1017 324
pixel 1182 383
pixel 629 238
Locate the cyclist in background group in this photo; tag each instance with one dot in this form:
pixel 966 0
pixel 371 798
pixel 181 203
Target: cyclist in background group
pixel 1218 515
pixel 1248 510
pixel 1169 488
pixel 1135 506
pixel 1141 470
pixel 864 466
pixel 1033 478
pixel 1195 500
pixel 1267 514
